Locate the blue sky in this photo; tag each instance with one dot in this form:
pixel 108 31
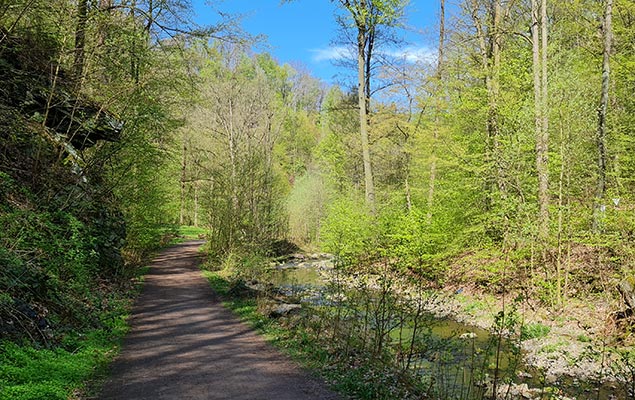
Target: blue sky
pixel 303 31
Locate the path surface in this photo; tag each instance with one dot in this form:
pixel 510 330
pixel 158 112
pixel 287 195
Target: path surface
pixel 185 345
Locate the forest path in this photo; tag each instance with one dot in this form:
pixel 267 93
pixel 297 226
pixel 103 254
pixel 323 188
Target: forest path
pixel 184 344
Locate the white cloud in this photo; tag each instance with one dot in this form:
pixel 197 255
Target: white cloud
pixel 411 54
pixel 331 53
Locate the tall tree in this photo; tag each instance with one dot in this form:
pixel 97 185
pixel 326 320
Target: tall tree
pixel 80 40
pixel 539 50
pixel 607 33
pixel 369 17
pixel 488 29
pixel 437 111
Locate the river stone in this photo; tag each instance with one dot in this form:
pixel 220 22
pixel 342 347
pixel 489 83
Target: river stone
pixel 524 375
pixel 282 310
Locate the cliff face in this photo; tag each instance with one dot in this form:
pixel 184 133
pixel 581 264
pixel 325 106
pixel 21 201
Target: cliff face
pixel 43 93
pixel 61 230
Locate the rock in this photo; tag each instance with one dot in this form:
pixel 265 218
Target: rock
pixel 551 379
pixel 515 391
pixel 524 375
pixel 282 310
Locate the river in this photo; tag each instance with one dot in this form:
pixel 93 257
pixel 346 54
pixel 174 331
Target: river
pixel 468 358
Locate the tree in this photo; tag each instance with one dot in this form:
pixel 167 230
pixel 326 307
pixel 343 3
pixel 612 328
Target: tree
pixel 80 40
pixel 230 140
pixel 607 34
pixel 437 111
pixel 369 18
pixel 539 50
pixel 487 21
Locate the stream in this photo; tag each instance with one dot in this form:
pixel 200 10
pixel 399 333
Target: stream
pixel 450 345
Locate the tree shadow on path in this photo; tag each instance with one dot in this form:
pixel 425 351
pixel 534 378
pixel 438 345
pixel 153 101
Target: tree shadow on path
pixel 184 344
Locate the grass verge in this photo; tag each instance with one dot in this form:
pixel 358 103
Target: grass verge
pixel 359 378
pixel 282 337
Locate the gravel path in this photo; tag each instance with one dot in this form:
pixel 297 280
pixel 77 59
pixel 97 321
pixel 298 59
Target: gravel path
pixel 185 345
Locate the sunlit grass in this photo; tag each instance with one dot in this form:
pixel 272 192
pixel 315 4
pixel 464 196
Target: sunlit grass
pixel 192 232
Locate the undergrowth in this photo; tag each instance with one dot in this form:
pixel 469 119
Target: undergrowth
pixel 30 372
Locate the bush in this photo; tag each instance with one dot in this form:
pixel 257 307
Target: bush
pixel 347 231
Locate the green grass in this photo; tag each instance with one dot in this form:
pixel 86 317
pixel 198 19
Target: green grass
pixel 192 232
pixel 553 347
pixel 296 344
pixel 30 373
pixel 534 331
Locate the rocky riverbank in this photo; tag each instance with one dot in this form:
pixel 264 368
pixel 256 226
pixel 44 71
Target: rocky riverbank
pixel 578 344
pixel 572 346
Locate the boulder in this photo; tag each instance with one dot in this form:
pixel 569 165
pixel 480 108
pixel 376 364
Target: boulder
pixel 283 310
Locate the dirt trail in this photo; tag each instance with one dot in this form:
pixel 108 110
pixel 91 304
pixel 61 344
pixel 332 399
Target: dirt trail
pixel 185 345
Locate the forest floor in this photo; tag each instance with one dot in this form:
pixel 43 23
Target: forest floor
pixel 184 344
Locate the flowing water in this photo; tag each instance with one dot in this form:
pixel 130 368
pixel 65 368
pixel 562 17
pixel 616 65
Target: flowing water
pixel 456 348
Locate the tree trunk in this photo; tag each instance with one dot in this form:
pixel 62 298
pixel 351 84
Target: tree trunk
pixel 183 178
pixel 196 204
pixel 602 113
pixel 563 205
pixel 544 181
pixel 539 50
pixel 490 46
pixel 437 112
pixel 494 89
pixel 134 57
pixel 102 30
pixel 363 88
